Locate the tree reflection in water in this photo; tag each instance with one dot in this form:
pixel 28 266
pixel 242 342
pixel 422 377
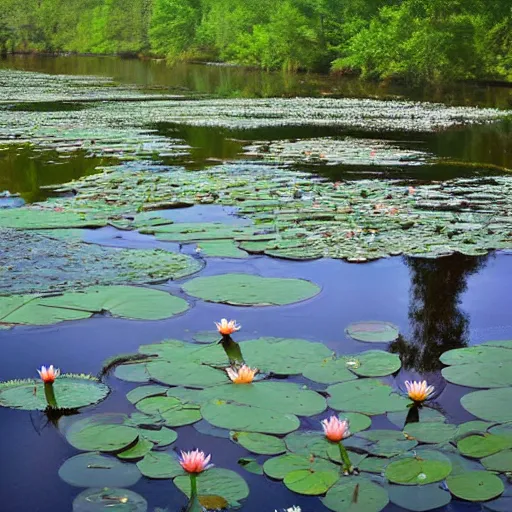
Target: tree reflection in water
pixel 437 322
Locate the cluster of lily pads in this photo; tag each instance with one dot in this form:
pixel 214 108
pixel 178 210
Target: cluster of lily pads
pixel 237 391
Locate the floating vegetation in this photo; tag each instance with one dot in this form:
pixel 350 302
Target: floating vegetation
pixel 36 263
pixel 122 301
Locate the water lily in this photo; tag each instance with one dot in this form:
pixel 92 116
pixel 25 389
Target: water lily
pixel 227 328
pixel 48 375
pixel 244 375
pixel 419 391
pixel 335 429
pixel 195 461
pixel 291 509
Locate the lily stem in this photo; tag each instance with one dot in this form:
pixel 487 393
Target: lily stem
pixel 347 465
pixel 193 486
pixel 50 395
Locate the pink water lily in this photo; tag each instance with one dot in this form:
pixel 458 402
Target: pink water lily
pixel 335 429
pixel 226 328
pixel 195 461
pixel 419 391
pixel 48 375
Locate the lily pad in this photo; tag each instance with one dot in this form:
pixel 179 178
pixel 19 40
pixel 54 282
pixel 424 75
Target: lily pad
pixel 100 433
pixel 488 405
pixel 172 410
pixel 124 301
pixel 138 394
pixel 367 396
pixel 425 414
pixel 376 363
pixel 206 336
pixel 386 443
pixel 476 355
pixel 373 331
pixel 71 392
pixel 358 422
pixel 107 499
pixel 328 371
pixel 501 462
pixel 425 468
pixel 259 443
pixel 374 464
pixel 137 451
pixel 473 427
pixel 479 375
pixel 308 443
pixel 216 481
pixel 96 470
pixel 356 494
pixel 479 446
pixel 419 498
pixel 475 486
pixel 133 372
pixel 251 465
pixel 284 397
pixel 279 467
pixel 246 418
pixel 283 356
pixel 430 432
pixel 312 483
pixel 185 373
pixel 160 465
pixel 250 290
pixel 163 437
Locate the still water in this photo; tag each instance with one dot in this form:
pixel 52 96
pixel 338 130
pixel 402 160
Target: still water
pixel 438 304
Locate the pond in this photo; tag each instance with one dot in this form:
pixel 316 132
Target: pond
pixel 306 207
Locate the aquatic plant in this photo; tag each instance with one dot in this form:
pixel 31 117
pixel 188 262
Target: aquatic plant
pixel 242 375
pixel 418 391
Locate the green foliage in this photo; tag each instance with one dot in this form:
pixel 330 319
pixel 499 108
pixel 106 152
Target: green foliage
pixel 417 40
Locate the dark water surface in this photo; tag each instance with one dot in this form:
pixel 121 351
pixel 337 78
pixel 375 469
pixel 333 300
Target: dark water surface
pixel 438 304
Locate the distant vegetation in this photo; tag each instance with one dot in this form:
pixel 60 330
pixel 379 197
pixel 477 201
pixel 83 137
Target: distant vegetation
pixel 432 40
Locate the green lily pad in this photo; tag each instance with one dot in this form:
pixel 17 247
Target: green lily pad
pixel 279 467
pixel 374 464
pixel 504 430
pixel 259 443
pixel 251 465
pixel 138 394
pixel 95 470
pixel 419 498
pixel 355 458
pixel 431 432
pixel 473 427
pixel 101 433
pixel 312 483
pixel 250 290
pixel 499 343
pixel 386 443
pixel 206 336
pixel 233 416
pixel 36 218
pixel 358 422
pixel 425 468
pixel 488 405
pixel 283 356
pixel 367 396
pixel 221 249
pixel 328 371
pixel 216 481
pixel 425 414
pixel 475 486
pixel 203 427
pixel 185 373
pixel 479 446
pixel 284 397
pixel 107 499
pixel 172 410
pixel 479 375
pixel 501 461
pixel 71 392
pixel 187 395
pixel 163 437
pixel 376 363
pixel 308 443
pixel 124 301
pixel 137 451
pixel 133 372
pixel 373 332
pixel 481 354
pixel 160 465
pixel 356 494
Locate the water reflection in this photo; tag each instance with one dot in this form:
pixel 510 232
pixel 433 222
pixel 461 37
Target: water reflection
pixel 437 322
pixel 24 169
